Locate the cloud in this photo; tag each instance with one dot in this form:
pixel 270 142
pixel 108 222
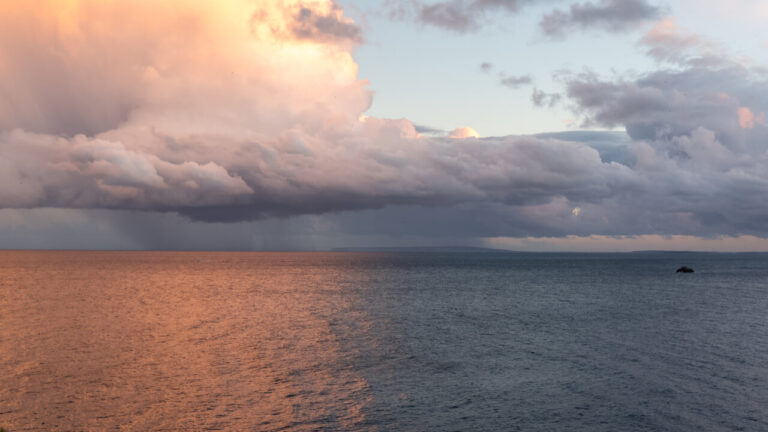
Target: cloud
pixel 98 229
pixel 748 120
pixel 698 135
pixel 465 16
pixel 515 82
pixel 609 15
pixel 511 81
pixel 428 130
pixel 227 113
pixel 669 103
pixel 464 132
pixel 325 26
pixel 541 98
pixel 459 16
pixel 238 116
pixel 453 15
pixel 668 43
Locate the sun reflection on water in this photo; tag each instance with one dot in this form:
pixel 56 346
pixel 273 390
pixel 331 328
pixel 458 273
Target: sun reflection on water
pixel 140 341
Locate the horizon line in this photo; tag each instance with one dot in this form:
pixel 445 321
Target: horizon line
pixel 417 249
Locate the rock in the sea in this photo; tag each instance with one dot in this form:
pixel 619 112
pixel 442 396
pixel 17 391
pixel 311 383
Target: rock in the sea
pixel 685 269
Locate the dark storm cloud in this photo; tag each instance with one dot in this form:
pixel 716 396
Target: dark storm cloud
pixel 610 15
pixel 97 173
pixel 101 229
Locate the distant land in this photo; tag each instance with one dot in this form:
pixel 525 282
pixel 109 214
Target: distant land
pixel 469 249
pixel 443 249
pixel 669 251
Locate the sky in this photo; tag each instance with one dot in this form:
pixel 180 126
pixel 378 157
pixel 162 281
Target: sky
pixel 538 125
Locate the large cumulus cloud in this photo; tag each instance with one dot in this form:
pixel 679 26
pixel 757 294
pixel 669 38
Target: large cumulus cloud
pixel 239 111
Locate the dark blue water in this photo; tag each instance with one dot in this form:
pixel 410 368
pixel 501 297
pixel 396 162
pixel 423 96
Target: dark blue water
pixel 567 342
pixel 367 341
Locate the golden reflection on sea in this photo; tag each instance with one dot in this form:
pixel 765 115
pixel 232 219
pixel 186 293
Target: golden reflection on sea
pixel 175 341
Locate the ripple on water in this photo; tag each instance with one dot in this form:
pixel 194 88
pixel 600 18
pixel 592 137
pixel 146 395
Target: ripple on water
pixel 408 342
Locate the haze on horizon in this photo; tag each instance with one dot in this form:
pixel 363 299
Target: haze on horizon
pixel 583 125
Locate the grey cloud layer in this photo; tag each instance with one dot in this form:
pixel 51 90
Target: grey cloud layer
pixel 464 16
pixel 610 15
pixel 700 137
pixel 384 164
pixel 514 82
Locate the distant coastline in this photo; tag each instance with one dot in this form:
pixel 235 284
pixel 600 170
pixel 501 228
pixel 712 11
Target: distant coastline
pixel 443 249
pixel 470 249
pixel 404 249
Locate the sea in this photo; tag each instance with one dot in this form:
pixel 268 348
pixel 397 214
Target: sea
pixel 351 341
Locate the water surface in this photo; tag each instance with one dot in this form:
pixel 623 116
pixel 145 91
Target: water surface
pixel 378 342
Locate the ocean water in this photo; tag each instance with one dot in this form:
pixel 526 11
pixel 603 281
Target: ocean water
pixel 383 342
